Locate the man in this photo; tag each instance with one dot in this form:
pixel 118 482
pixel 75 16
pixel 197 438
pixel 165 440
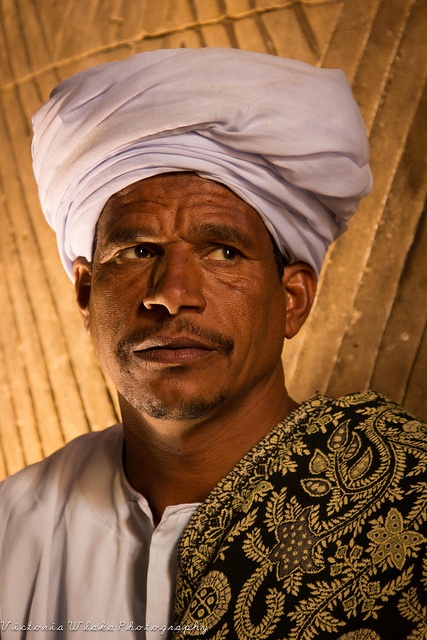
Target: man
pixel 194 194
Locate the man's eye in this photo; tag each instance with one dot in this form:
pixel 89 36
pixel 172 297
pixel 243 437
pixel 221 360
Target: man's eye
pixel 138 252
pixel 223 253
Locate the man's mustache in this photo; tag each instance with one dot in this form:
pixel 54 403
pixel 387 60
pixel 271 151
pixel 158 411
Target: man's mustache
pixel 175 327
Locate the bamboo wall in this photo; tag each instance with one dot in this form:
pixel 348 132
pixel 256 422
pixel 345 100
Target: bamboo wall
pixel 368 326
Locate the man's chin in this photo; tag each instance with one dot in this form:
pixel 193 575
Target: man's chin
pixel 193 409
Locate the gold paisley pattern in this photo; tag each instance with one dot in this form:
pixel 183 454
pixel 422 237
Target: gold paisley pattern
pixel 392 542
pixel 244 623
pixel 209 604
pixel 295 546
pixel 320 532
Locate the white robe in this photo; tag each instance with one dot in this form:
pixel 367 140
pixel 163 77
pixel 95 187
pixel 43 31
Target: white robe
pixel 79 551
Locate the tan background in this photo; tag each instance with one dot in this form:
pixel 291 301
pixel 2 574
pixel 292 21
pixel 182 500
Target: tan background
pixel 368 326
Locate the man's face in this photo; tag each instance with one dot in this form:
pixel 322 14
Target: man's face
pixel 185 307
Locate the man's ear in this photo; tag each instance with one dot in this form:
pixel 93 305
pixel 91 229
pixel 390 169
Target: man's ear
pixel 299 282
pixel 83 284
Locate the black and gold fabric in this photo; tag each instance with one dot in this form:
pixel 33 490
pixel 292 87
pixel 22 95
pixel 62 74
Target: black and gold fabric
pixel 320 532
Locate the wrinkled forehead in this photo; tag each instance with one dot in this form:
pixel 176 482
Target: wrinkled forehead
pixel 177 198
pixel 189 183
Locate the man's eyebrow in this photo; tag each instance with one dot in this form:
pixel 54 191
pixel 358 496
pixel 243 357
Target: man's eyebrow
pixel 223 233
pixel 125 236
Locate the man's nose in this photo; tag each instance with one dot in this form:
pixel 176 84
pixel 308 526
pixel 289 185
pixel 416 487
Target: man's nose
pixel 175 283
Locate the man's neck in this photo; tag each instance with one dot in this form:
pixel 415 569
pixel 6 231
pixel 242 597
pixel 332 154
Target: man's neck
pixel 172 462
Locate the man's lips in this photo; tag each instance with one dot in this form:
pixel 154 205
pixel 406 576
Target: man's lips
pixel 176 342
pixel 172 350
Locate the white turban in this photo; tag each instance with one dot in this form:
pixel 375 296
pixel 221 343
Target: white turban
pixel 285 136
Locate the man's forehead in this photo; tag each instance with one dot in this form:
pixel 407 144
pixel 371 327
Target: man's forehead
pixel 179 194
pixel 166 182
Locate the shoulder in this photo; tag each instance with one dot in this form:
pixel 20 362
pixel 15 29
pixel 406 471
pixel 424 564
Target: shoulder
pixel 360 432
pixel 359 451
pixel 53 514
pixel 361 403
pixel 53 479
pixel 367 411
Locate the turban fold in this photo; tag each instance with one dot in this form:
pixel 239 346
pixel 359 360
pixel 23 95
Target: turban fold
pixel 285 136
